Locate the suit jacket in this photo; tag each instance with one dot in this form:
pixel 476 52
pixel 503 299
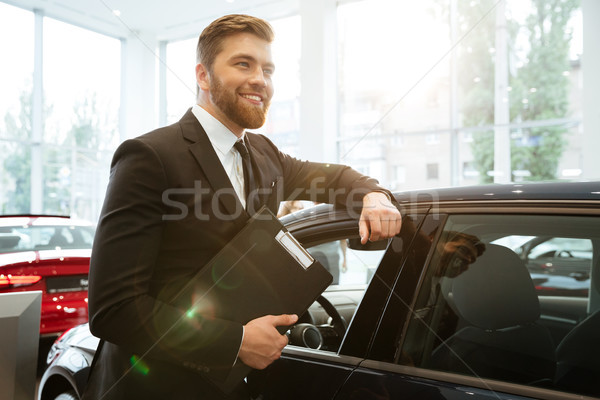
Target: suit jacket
pixel 169 208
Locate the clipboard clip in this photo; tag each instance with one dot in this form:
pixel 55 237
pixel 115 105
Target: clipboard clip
pixel 288 242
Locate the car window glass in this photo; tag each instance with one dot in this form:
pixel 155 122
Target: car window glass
pixel 39 237
pixel 352 266
pixel 84 236
pixel 348 265
pixel 485 309
pixel 562 248
pixel 556 264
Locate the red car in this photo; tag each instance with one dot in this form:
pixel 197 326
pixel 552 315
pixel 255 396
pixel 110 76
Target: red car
pixel 51 254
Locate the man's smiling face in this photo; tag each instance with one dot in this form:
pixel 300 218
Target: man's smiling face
pixel 240 83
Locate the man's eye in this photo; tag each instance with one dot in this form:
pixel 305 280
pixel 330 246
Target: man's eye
pixel 243 64
pixel 268 71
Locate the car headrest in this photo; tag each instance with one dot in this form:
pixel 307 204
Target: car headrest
pixel 496 291
pixel 9 241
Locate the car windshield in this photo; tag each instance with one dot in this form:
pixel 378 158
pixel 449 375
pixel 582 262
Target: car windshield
pixel 45 237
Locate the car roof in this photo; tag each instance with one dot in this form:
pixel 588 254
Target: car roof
pixel 40 220
pixel 531 191
pixel 586 191
pixel 34 256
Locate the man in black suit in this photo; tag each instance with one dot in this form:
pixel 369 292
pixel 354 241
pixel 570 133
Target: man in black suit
pixel 176 196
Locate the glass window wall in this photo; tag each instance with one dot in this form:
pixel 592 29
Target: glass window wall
pixel 69 159
pixel 464 84
pixel 16 80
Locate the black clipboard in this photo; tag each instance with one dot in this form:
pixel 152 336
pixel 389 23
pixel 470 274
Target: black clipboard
pixel 263 270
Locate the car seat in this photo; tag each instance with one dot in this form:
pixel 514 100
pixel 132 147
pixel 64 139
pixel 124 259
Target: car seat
pixel 501 339
pixel 9 242
pixel 578 358
pixel 58 240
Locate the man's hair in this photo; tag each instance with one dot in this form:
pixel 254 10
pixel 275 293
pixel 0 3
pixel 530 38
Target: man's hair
pixel 211 39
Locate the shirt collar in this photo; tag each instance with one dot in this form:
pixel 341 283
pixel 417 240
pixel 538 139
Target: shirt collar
pixel 220 137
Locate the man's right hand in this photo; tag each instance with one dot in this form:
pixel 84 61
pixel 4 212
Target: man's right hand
pixel 262 343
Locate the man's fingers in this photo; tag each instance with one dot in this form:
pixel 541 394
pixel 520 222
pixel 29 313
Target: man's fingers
pixel 379 219
pixel 376 229
pixel 395 222
pixel 394 226
pixel 376 226
pixel 371 230
pixel 363 231
pixel 262 343
pixel 284 319
pixel 385 229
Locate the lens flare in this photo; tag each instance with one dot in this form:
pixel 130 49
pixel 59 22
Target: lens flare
pixel 138 365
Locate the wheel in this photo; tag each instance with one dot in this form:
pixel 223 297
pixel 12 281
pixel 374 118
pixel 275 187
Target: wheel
pixel 328 337
pixel 337 321
pixel 70 395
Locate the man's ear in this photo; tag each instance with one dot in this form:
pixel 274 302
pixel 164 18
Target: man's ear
pixel 202 77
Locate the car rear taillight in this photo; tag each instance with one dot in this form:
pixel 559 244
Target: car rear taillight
pixel 10 281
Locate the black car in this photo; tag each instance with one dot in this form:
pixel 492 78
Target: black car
pixel 445 310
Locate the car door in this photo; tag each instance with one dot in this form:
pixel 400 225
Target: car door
pixel 304 373
pixel 477 328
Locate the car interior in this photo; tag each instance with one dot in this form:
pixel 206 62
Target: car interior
pixel 354 265
pixel 501 332
pixel 493 321
pixel 8 242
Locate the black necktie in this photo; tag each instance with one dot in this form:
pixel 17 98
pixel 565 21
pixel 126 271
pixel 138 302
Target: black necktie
pixel 249 183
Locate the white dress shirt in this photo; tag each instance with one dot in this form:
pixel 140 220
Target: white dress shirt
pixel 222 140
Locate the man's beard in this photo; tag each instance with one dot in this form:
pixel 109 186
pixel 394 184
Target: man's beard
pixel 244 115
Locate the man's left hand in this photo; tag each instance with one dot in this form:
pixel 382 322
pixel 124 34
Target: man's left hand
pixel 379 219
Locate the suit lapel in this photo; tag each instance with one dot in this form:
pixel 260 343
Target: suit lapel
pixel 204 153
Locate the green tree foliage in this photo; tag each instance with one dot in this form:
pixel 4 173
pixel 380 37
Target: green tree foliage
pixel 540 80
pixel 17 162
pixel 69 158
pixel 475 62
pixel 85 132
pixel 476 78
pixel 58 158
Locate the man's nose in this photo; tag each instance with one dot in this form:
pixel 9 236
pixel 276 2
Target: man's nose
pixel 258 78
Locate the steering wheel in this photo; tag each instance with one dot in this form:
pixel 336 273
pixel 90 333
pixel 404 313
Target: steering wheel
pixel 337 321
pixel 306 334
